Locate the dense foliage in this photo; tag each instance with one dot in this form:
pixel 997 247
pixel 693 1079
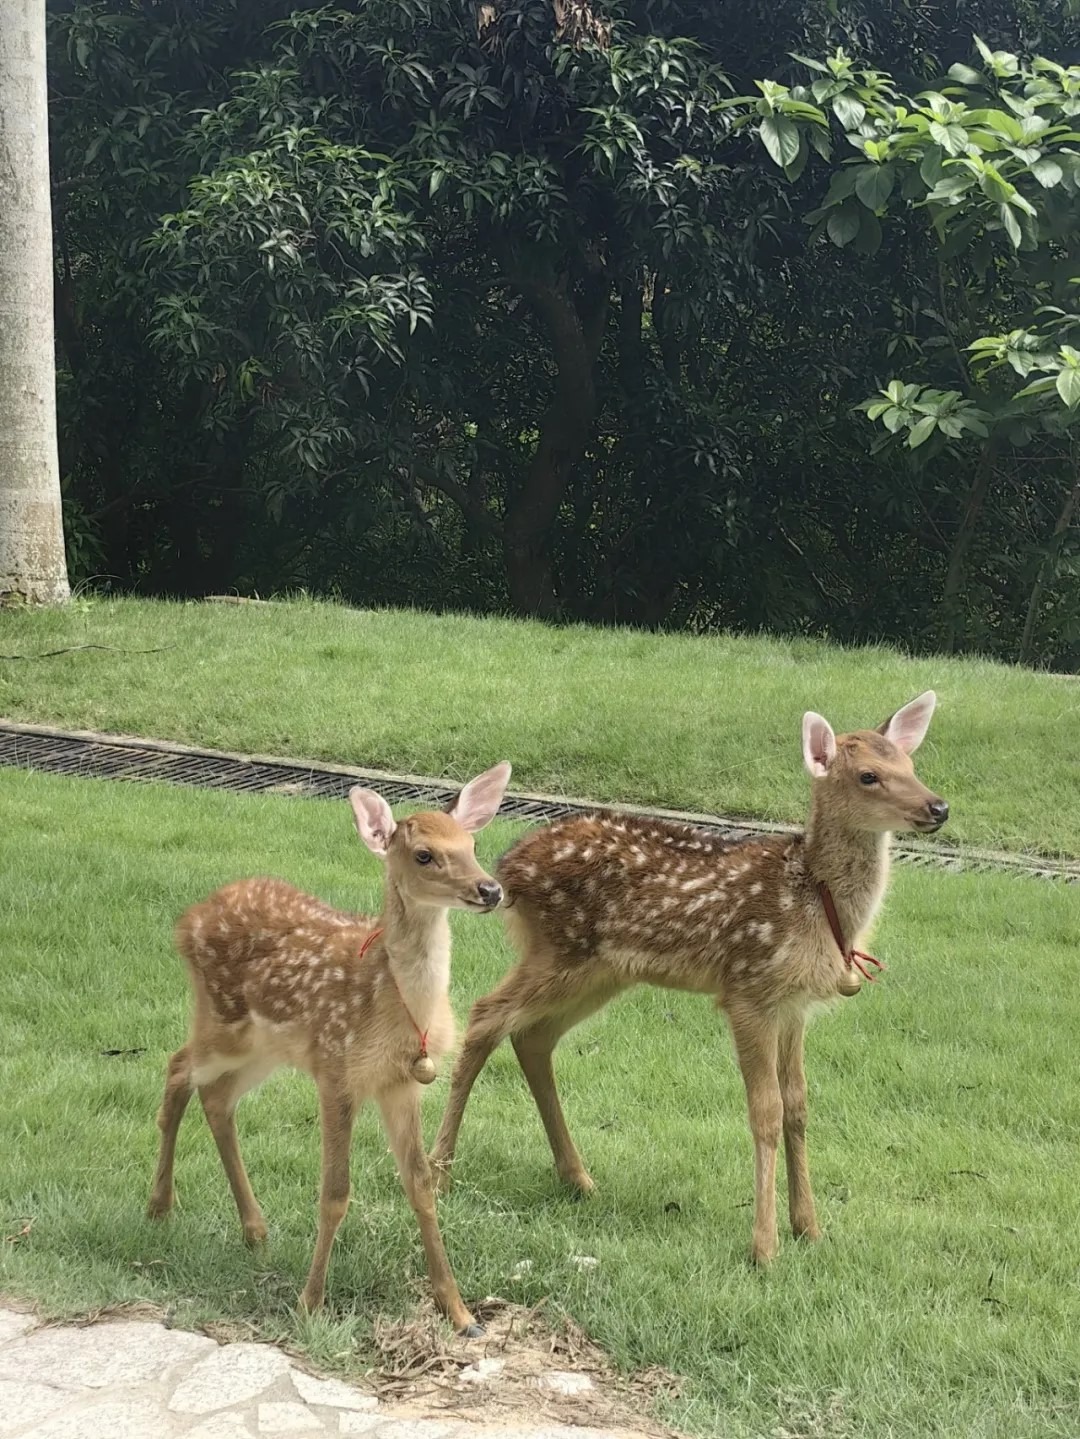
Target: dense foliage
pixel 516 304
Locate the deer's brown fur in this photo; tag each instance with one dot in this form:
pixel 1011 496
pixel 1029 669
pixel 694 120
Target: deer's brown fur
pixel 279 977
pixel 597 904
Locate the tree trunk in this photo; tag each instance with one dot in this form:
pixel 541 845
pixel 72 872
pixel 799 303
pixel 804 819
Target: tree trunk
pixel 575 334
pixel 33 567
pixel 1057 539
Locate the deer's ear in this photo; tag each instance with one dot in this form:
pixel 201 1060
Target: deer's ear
pixel 907 727
pixel 818 743
pixel 374 821
pixel 478 803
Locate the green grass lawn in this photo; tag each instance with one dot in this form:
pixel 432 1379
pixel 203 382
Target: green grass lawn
pixel 944 1114
pixel 695 723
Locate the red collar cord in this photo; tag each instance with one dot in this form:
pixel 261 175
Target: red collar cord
pixel 851 956
pixel 422 1034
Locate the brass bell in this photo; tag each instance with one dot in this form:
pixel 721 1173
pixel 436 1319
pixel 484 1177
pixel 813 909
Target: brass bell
pixel 849 982
pixel 423 1069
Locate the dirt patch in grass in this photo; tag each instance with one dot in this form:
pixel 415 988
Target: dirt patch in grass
pixel 533 1366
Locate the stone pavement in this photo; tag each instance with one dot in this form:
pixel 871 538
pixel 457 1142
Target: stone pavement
pixel 135 1379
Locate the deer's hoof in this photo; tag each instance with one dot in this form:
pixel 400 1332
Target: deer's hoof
pixel 472 1331
pixel 808 1233
pixel 255 1232
pixel 158 1208
pixel 762 1255
pixel 581 1182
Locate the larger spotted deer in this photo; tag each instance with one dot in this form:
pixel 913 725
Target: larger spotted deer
pixel 362 1005
pixel 768 927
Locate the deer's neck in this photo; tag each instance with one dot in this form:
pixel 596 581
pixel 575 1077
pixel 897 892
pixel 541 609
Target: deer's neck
pixel 853 863
pixel 417 943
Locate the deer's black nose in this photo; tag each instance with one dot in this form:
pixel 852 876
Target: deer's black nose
pixel 490 892
pixel 938 809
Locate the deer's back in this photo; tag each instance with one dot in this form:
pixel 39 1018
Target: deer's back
pixel 659 901
pixel 262 945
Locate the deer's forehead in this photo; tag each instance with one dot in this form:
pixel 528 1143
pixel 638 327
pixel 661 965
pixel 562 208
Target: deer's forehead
pixel 434 828
pixel 866 746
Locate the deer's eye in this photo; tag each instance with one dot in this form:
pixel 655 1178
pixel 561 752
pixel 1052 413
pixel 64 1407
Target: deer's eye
pixel 868 777
pixel 423 856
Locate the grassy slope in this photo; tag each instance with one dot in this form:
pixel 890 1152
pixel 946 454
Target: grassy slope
pixel 944 1121
pixel 606 714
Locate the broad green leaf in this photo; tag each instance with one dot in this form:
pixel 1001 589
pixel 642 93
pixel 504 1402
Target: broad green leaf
pixel 849 111
pixel 1068 387
pixel 821 143
pixel 843 225
pixel 931 168
pixel 999 120
pixel 994 187
pixel 1011 223
pixel 841 186
pixel 874 185
pixel 952 138
pixel 1037 387
pixel 950 189
pixel 965 75
pixel 798 165
pixel 922 431
pixel 812 64
pixel 868 240
pixel 1048 172
pixel 781 139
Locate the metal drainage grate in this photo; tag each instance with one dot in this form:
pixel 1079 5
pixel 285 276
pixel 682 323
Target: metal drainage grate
pixel 97 756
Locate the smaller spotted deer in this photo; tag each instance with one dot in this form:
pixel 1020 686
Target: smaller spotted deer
pixel 599 903
pixel 281 978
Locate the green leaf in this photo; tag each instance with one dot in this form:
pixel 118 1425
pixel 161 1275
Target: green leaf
pixel 812 64
pixel 1048 172
pixel 841 186
pixel 994 187
pixel 950 189
pixel 1068 387
pixel 953 139
pixel 843 225
pixel 931 169
pixel 922 431
pixel 821 143
pixel 1037 387
pixel 868 240
pixel 1012 225
pixel 874 185
pixel 965 75
pixel 849 111
pixel 781 139
pixel 798 165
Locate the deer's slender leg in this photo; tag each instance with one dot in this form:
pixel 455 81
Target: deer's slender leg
pixel 792 1077
pixel 179 1087
pixel 535 996
pixel 219 1105
pixel 534 1047
pixel 508 1007
pixel 400 1108
pixel 755 1038
pixel 337 1109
